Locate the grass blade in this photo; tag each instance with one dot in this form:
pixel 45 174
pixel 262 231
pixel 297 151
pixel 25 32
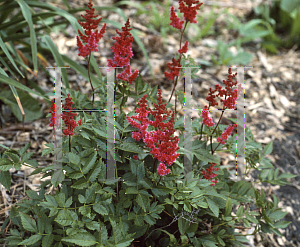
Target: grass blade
pixel 58 59
pixel 27 15
pixel 3 46
pixel 9 81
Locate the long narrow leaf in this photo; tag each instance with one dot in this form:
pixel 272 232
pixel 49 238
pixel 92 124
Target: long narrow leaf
pixel 58 59
pixel 3 46
pixel 6 66
pixel 27 15
pixel 14 91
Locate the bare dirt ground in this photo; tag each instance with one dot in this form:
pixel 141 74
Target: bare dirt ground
pixel 272 102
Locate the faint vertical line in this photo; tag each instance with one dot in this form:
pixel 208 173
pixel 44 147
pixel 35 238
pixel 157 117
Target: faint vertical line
pixel 240 139
pixel 110 107
pixel 188 156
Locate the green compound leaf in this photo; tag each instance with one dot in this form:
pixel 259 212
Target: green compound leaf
pixel 81 239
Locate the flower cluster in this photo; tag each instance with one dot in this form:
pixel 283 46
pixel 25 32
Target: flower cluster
pixel 91 38
pixel 173 70
pixel 67 117
pixel 163 146
pixel 209 173
pixel 189 16
pixel 184 48
pixel 206 119
pixel 52 111
pixel 188 11
pixel 122 52
pixel 175 20
pixel 227 132
pixel 230 96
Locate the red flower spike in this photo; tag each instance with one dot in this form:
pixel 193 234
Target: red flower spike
pixel 122 52
pixel 206 119
pixel 67 117
pixel 227 132
pixel 173 70
pixel 175 20
pixel 184 48
pixel 163 146
pixel 52 111
pixel 91 38
pixel 188 11
pixel 162 171
pixel 208 174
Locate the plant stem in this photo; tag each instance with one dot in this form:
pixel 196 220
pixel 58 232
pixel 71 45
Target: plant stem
pixel 175 81
pixel 70 144
pixel 212 152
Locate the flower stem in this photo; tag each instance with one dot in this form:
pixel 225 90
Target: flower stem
pixel 175 81
pixel 212 151
pixel 69 143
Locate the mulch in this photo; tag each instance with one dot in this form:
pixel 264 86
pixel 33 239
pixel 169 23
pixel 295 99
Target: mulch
pixel 272 97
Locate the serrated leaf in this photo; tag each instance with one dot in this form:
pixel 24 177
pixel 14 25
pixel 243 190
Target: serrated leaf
pixel 74 158
pixel 93 225
pixel 32 194
pixel 183 225
pixel 240 211
pixel 149 220
pixel 131 190
pixel 100 209
pixel 64 218
pixel 267 149
pixel 282 224
pixel 228 208
pixel 246 222
pixel 213 207
pixel 81 239
pixel 277 215
pixel 130 147
pixel 205 155
pixel 47 240
pixel 32 240
pixel 286 175
pixel 80 184
pixel 5 164
pixel 142 201
pixel 244 189
pixel 28 223
pixel 252 219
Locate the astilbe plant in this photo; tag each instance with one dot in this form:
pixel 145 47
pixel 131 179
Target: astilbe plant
pixel 148 204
